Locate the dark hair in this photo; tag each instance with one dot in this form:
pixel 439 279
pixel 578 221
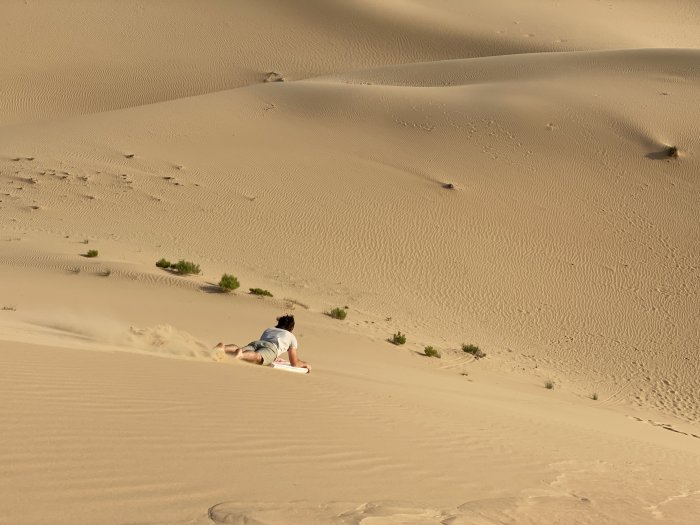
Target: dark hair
pixel 286 322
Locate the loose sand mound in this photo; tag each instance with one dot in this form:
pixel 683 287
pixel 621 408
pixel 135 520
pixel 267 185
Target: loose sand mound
pixel 522 175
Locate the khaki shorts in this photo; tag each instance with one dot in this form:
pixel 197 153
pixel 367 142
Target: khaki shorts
pixel 266 350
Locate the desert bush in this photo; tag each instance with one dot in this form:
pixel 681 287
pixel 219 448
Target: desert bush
pixel 163 263
pixel 432 352
pixel 228 282
pixel 398 338
pixel 473 350
pixel 185 267
pixel 594 396
pixel 260 291
pixel 92 253
pixel 106 273
pixel 338 313
pixel 549 384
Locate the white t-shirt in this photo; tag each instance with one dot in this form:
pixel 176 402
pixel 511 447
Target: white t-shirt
pixel 282 339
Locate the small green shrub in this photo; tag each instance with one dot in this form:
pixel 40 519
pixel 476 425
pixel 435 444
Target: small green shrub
pixel 338 313
pixel 473 350
pixel 432 352
pixel 549 384
pixel 92 253
pixel 260 291
pixel 398 338
pixel 163 263
pixel 185 267
pixel 228 282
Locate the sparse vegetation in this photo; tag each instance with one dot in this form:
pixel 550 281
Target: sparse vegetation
pixel 398 338
pixel 260 291
pixel 106 273
pixel 75 269
pixel 185 267
pixel 473 350
pixel 86 241
pixel 92 253
pixel 228 282
pixel 549 384
pixel 432 352
pixel 672 151
pixel 594 396
pixel 338 313
pixel 163 263
pixel 9 309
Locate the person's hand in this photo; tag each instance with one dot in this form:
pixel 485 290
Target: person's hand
pixel 307 367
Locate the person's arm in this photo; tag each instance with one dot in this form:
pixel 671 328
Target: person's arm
pixel 295 361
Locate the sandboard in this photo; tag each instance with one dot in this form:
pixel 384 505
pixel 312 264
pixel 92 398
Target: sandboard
pixel 289 368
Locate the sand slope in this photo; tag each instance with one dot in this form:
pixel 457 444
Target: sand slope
pixel 557 240
pixel 487 172
pixel 120 437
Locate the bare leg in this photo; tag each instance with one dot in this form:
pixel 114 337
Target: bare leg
pixel 236 351
pixel 221 350
pixel 250 357
pixel 229 348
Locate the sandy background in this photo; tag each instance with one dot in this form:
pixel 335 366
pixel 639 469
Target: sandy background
pixel 567 248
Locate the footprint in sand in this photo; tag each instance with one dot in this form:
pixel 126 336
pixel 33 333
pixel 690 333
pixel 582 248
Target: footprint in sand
pixel 338 513
pixel 665 426
pixel 490 511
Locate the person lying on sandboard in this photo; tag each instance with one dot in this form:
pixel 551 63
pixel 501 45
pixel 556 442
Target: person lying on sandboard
pixel 272 343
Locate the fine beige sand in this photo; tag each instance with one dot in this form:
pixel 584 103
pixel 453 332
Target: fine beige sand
pixel 495 173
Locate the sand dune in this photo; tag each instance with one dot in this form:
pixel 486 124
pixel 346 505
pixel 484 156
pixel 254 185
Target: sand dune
pixel 521 175
pixel 65 58
pixel 555 232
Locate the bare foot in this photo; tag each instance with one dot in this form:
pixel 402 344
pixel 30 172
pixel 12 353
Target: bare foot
pixel 218 352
